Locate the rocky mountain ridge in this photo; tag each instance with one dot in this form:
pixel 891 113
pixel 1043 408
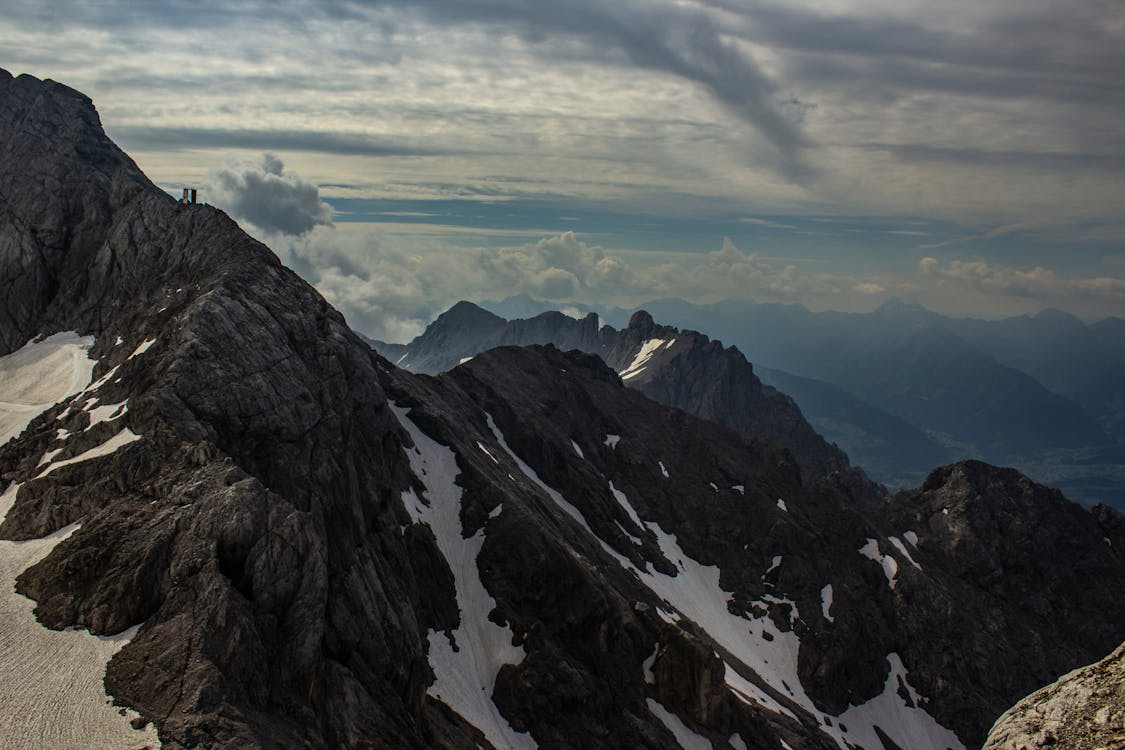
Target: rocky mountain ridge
pixel 684 369
pixel 1042 393
pixel 300 545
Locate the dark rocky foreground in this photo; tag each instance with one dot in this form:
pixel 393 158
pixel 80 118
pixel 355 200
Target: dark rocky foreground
pixel 304 531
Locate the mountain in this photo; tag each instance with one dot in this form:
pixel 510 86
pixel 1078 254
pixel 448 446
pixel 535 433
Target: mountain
pixel 891 450
pixel 1085 363
pixel 1041 393
pixel 223 512
pixel 684 369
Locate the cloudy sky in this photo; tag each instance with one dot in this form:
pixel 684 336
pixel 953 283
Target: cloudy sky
pixel 407 153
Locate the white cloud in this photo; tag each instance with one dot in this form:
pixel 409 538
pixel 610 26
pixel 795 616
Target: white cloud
pixel 389 288
pixel 1039 283
pixel 262 193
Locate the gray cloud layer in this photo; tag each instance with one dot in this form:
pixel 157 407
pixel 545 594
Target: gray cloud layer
pixel 961 113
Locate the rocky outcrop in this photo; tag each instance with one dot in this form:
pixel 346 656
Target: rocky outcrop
pixel 1031 567
pixel 1085 708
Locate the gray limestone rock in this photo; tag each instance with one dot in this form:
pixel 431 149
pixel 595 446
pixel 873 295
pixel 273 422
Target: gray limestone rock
pixel 1082 709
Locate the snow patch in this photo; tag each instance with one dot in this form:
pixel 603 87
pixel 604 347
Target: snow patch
pixel 632 537
pixel 463 360
pixel 826 602
pixel 687 738
pixel 751 694
pixel 662 469
pixel 626 506
pixel 464 679
pixel 911 537
pixel 577 449
pixel 99 382
pixel 51 682
pixel 144 347
pixel 905 552
pixel 773 566
pixel 496 511
pixel 890 567
pixel 487 452
pixel 648 348
pixel 714 486
pixel 646 665
pixel 740 489
pixel 122 438
pixel 908 727
pixel 735 741
pixel 38 376
pixel 107 413
pixel 781 504
pixel 612 440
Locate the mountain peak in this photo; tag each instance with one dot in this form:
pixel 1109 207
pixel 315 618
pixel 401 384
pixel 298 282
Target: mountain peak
pixel 642 322
pixel 898 306
pixel 1061 318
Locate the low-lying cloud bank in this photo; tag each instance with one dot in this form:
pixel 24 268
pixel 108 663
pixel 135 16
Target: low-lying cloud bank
pixel 1037 283
pixel 390 287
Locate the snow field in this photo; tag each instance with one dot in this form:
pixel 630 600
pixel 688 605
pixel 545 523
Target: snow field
pixel 687 738
pixel 463 679
pixel 51 689
pixel 38 376
pixel 908 727
pixel 648 348
pixel 51 682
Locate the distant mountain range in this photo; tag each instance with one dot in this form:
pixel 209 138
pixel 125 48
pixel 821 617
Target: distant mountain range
pixel 901 385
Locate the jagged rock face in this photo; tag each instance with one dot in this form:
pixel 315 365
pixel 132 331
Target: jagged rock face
pixel 1032 568
pixel 322 550
pixel 254 528
pixel 684 369
pixel 1085 708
